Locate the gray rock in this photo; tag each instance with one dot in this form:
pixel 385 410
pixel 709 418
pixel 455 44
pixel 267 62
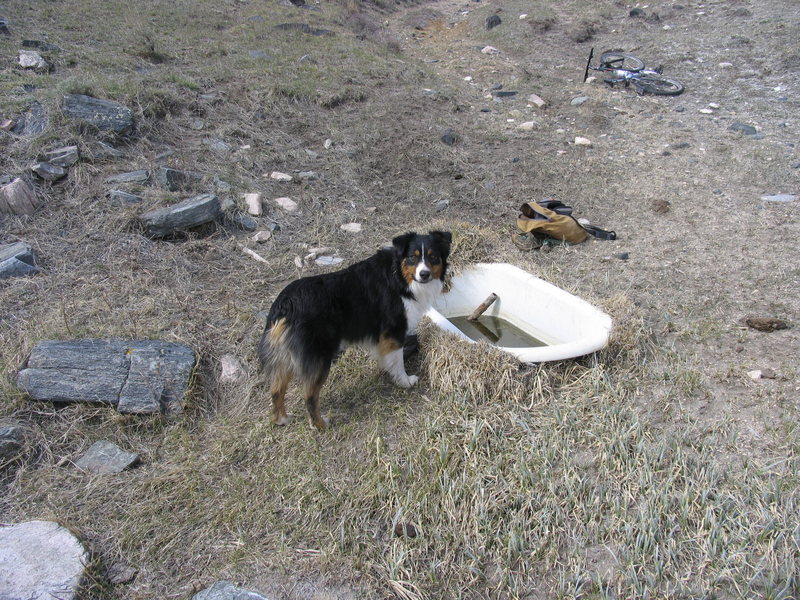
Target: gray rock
pixel 779 198
pixel 40 560
pixel 4 26
pixel 33 123
pixel 493 21
pixel 62 157
pixel 133 375
pixel 17 259
pixel 307 176
pixel 48 172
pixel 41 45
pixel 120 197
pixel 192 212
pixel 221 186
pixel 99 151
pixel 577 101
pixel 242 221
pixel 12 438
pixel 449 137
pixel 30 59
pixel 217 145
pixel 18 198
pixel 175 180
pixel 743 128
pixel 140 176
pixel 225 590
pixel 103 457
pixel 104 115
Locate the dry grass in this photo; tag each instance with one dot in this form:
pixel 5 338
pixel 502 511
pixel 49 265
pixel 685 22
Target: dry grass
pixel 577 479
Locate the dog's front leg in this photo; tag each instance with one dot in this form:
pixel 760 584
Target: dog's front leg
pixel 392 362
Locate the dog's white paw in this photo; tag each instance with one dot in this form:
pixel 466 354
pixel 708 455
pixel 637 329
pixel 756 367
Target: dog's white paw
pixel 284 420
pixel 407 381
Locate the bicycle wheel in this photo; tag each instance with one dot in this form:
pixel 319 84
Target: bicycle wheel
pixel 661 86
pixel 621 60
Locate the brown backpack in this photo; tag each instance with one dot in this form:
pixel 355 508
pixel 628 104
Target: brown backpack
pixel 556 221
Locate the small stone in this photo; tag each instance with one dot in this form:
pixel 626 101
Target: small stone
pixel 4 26
pixel 621 255
pixel 121 197
pixel 130 177
pixel 232 369
pixel 18 198
pixel 537 101
pixel 7 124
pixel 779 198
pixel 221 186
pixel 449 137
pixel 103 457
pixel 493 21
pixel 743 128
pixel 523 16
pixel 637 13
pixel 41 45
pixel 29 59
pixel 12 438
pixel 713 105
pixel 253 202
pixel 241 221
pixel 217 145
pixel 328 261
pixel 307 176
pixel 725 65
pixel 225 590
pixel 351 227
pixel 489 50
pixel 62 157
pixel 175 180
pixel 262 236
pixel 441 205
pixel 48 172
pixel 527 125
pixel 583 141
pixel 197 124
pixel 706 111
pixel 755 375
pixel 286 204
pixel 577 101
pixel 504 93
pixel 102 151
pixel 187 214
pixel 327 144
pixel 584 221
pixel 278 176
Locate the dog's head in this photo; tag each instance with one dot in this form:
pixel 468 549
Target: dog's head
pixel 423 258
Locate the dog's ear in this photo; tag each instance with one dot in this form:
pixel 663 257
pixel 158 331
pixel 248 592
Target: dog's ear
pixel 443 237
pixel 400 243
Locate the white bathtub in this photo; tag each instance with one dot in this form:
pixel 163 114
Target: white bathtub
pixel 568 325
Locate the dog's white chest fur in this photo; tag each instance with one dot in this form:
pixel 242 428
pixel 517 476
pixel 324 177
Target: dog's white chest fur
pixel 425 294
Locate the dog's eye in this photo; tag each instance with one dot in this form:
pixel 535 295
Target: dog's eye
pixel 433 259
pixel 411 260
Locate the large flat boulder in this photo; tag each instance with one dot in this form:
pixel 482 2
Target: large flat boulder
pixel 104 115
pixel 135 376
pixel 17 259
pixel 188 214
pixel 40 560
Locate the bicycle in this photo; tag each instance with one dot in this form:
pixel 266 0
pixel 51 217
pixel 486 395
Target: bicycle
pixel 629 69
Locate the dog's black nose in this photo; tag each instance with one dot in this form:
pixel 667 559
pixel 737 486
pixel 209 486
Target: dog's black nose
pixel 424 276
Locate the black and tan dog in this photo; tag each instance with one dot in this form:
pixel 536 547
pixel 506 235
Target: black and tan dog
pixel 375 302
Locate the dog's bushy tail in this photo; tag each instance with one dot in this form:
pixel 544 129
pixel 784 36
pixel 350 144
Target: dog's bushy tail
pixel 284 353
pixel 274 349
